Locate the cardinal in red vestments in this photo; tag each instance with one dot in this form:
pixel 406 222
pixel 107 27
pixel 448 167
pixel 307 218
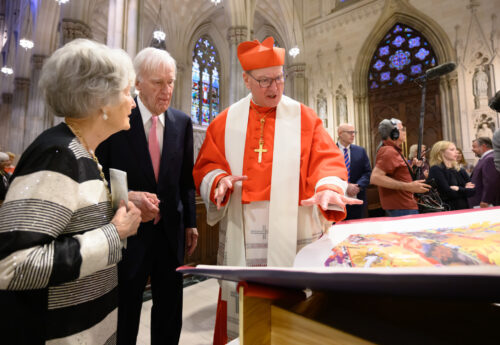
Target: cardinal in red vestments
pixel 269 173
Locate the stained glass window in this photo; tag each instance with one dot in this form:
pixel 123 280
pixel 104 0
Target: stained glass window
pixel 403 55
pixel 205 97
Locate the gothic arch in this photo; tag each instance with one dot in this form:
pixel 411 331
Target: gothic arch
pixel 399 11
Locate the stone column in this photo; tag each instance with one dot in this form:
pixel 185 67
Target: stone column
pixel 115 23
pixel 18 115
pixel 5 110
pixel 237 89
pixel 362 121
pixel 450 113
pixel 74 28
pixel 297 82
pixel 132 27
pixel 177 101
pixel 36 115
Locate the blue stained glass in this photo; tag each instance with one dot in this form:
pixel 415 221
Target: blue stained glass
pixel 422 53
pixel 383 51
pixel 404 51
pixel 378 65
pixel 205 76
pixel 196 71
pixel 400 78
pixel 414 42
pixel 398 41
pixel 400 59
pixel 205 82
pixel 416 69
pixel 215 78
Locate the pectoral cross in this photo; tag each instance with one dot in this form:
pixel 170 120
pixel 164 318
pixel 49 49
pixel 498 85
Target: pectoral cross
pixel 260 150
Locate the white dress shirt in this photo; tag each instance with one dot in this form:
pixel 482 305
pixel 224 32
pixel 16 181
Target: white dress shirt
pixel 147 122
pixel 341 147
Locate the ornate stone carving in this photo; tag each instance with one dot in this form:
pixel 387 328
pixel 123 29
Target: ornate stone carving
pixel 22 83
pixel 7 98
pixel 322 107
pixel 297 70
pixel 38 60
pixel 341 105
pixel 237 34
pixel 73 28
pixel 484 125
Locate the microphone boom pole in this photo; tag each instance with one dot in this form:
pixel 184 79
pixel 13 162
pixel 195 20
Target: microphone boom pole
pixel 431 73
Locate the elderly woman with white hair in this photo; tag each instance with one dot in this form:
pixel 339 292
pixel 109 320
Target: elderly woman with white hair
pixel 59 240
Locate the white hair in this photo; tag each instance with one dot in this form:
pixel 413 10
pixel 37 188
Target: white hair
pixel 152 59
pixel 83 76
pixel 386 126
pixel 4 157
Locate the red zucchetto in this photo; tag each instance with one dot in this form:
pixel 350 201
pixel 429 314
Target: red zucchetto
pixel 254 55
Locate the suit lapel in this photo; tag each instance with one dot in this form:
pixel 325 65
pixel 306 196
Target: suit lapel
pixel 140 148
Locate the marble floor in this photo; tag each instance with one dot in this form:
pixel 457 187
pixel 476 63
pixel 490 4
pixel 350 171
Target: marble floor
pixel 200 305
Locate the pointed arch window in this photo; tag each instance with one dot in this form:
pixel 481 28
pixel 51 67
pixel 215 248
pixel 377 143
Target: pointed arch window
pixel 205 94
pixel 400 57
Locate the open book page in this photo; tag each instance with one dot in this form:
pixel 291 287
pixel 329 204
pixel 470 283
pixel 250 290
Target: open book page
pixel 469 237
pixel 119 190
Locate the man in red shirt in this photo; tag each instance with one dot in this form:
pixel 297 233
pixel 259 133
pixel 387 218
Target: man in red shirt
pixel 391 173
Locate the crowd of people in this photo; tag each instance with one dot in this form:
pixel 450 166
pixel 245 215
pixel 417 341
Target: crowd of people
pixel 74 263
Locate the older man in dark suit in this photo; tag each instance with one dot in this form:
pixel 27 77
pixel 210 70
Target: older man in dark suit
pixel 484 176
pixel 157 154
pixel 358 168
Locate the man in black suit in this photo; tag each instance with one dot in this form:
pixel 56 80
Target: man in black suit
pixel 157 154
pixel 358 168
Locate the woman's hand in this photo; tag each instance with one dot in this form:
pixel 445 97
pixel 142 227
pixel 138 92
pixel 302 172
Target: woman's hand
pixel 470 185
pixel 126 221
pixel 455 188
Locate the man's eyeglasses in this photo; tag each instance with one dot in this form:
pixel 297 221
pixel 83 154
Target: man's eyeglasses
pixel 350 132
pixel 266 82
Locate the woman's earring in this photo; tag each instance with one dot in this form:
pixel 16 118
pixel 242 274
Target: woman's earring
pixel 104 116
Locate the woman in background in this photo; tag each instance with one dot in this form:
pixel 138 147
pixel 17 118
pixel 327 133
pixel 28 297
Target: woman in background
pixel 415 163
pixel 453 183
pixel 59 240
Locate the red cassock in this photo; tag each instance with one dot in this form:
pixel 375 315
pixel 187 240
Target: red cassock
pixel 320 157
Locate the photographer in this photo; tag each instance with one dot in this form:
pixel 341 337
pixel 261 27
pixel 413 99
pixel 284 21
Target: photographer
pixel 391 173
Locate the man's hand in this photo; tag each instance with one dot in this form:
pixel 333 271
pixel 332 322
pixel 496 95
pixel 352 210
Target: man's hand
pixel 328 196
pixel 224 184
pixel 483 204
pixel 352 189
pixel 418 186
pixel 191 240
pixel 146 202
